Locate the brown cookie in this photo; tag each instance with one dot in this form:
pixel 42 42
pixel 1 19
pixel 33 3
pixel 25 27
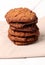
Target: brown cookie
pixel 23 34
pixel 23 40
pixel 21 15
pixel 26 43
pixel 21 25
pixel 29 28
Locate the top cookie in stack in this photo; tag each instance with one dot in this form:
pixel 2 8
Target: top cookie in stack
pixel 23 29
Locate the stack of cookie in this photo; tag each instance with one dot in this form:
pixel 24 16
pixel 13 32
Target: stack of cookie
pixel 23 29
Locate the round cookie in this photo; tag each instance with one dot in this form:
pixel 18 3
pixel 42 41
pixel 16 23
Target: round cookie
pixel 21 25
pixel 23 34
pixel 21 15
pixel 23 40
pixel 29 28
pixel 26 43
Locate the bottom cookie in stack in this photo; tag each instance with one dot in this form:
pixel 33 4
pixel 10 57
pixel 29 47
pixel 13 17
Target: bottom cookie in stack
pixel 24 36
pixel 23 41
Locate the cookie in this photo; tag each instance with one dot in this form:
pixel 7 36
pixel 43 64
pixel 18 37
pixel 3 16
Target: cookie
pixel 21 15
pixel 23 40
pixel 21 25
pixel 26 43
pixel 23 29
pixel 23 34
pixel 29 28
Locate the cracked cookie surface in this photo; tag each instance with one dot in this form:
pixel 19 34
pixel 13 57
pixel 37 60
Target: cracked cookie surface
pixel 21 15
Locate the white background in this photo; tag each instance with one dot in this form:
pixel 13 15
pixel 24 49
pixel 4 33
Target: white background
pixel 36 5
pixel 29 61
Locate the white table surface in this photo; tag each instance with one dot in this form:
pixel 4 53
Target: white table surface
pixel 9 50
